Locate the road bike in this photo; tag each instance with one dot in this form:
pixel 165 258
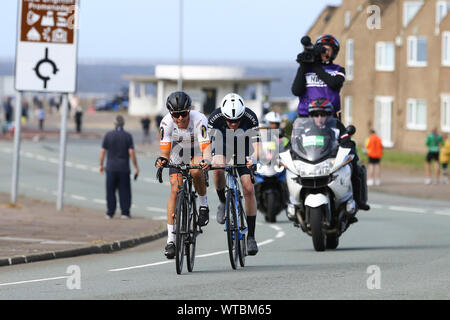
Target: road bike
pixel 235 216
pixel 185 217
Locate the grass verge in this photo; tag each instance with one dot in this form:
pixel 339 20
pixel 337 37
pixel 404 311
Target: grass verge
pixel 393 158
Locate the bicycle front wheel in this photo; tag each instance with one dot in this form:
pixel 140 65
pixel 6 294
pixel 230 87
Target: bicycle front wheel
pixel 191 239
pixel 181 227
pixel 231 228
pixel 242 233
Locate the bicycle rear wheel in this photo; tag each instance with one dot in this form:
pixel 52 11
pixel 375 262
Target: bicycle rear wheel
pixel 231 228
pixel 191 239
pixel 181 226
pixel 242 235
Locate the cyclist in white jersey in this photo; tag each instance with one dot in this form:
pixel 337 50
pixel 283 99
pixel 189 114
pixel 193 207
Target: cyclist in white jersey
pixel 184 139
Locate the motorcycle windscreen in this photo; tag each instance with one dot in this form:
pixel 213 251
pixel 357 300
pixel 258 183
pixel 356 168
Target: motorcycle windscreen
pixel 314 139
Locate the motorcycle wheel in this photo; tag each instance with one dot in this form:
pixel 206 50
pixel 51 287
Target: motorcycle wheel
pixel 318 236
pixel 332 241
pixel 271 206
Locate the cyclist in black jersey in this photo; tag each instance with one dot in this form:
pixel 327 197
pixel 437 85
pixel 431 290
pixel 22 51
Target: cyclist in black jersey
pixel 234 135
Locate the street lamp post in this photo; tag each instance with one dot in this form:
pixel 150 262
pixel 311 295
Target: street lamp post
pixel 180 48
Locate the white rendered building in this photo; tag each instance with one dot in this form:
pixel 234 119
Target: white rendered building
pixel 206 85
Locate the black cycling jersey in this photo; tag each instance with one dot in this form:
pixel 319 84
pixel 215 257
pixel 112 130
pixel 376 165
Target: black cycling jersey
pixel 248 127
pixel 218 121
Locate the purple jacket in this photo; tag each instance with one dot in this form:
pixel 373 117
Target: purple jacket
pixel 317 88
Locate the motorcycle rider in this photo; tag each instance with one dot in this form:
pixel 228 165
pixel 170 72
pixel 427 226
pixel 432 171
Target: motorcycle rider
pixel 321 111
pixel 320 78
pixel 273 119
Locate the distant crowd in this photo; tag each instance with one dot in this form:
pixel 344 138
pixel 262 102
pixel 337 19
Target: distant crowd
pixel 37 108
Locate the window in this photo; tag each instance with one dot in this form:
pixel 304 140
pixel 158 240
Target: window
pixel 445 113
pixel 410 9
pixel 416 114
pixel 383 119
pixel 347 19
pixel 348 110
pixel 385 56
pixel 446 48
pixel 137 89
pixel 349 59
pixel 442 8
pixel 417 51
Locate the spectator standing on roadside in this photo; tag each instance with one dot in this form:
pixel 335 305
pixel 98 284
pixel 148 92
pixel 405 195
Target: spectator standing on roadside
pixel 78 117
pixel 434 142
pixel 25 109
pixel 146 128
pixel 444 158
pixel 119 148
pixel 74 101
pixel 8 110
pixel 40 112
pixel 374 148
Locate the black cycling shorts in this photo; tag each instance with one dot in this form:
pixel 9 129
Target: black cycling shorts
pixel 374 160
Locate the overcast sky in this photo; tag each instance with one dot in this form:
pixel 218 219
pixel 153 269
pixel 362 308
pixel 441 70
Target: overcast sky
pixel 214 30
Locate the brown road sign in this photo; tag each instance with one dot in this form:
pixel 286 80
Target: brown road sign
pixel 47 42
pixel 48 21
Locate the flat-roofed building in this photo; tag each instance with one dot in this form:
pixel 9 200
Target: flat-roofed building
pixel 206 85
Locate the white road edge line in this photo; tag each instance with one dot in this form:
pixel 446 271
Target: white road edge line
pixel 407 209
pixel 31 281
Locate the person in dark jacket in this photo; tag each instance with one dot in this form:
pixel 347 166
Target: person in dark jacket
pixel 119 147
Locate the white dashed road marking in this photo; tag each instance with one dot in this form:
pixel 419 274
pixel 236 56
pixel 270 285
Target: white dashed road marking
pixel 280 233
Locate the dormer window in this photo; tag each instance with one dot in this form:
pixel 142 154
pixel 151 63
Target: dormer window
pixel 348 19
pixel 410 9
pixel 442 8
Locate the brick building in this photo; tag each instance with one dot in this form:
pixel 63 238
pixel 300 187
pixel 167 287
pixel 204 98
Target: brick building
pixel 397 66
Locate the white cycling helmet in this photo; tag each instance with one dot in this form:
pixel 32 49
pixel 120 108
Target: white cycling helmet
pixel 232 106
pixel 273 117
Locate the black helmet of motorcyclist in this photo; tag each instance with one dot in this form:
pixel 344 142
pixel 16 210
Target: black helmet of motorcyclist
pixel 320 106
pixel 328 39
pixel 178 101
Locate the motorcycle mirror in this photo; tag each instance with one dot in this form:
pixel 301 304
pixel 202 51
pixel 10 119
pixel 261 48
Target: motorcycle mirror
pixel 351 130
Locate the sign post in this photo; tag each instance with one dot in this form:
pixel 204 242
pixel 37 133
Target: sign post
pixel 16 153
pixel 46 57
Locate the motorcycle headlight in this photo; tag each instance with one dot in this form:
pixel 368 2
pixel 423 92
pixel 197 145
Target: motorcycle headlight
pixel 315 170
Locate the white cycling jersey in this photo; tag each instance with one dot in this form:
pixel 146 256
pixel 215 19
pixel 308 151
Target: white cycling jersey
pixel 184 144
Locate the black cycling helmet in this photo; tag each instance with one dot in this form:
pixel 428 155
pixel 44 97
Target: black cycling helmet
pixel 321 105
pixel 330 40
pixel 178 101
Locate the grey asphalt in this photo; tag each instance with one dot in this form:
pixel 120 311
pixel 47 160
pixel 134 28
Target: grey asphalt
pixel 407 239
pixel 411 250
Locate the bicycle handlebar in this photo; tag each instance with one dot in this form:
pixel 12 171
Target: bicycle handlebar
pixel 252 169
pixel 185 167
pixel 182 167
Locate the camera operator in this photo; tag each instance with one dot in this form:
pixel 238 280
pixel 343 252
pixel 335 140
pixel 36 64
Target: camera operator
pixel 318 76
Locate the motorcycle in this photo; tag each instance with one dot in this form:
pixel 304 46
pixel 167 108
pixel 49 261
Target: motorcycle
pixel 319 180
pixel 271 190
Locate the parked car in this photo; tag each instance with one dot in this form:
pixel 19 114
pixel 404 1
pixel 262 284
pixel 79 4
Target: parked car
pixel 113 104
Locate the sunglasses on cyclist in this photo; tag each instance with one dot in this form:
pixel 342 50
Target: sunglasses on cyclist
pixel 183 114
pixel 319 113
pixel 233 121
